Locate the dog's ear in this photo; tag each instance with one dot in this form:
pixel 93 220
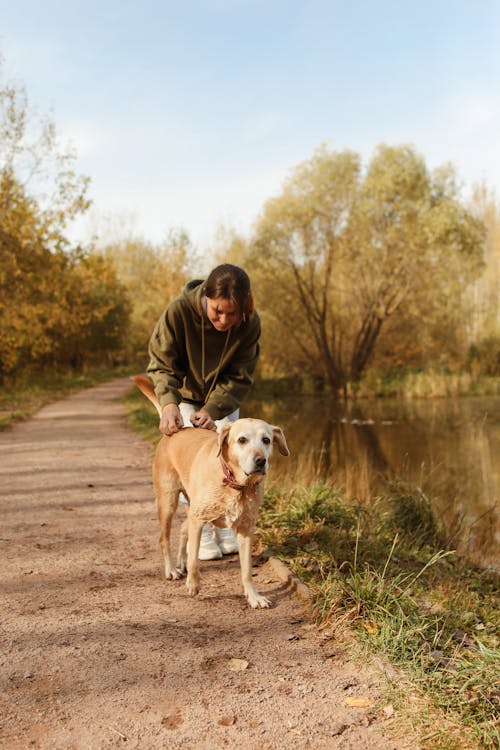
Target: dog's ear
pixel 279 438
pixel 223 436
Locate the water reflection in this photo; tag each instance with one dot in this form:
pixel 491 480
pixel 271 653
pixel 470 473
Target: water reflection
pixel 448 447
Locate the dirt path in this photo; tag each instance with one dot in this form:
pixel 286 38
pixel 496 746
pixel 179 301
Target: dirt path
pixel 98 651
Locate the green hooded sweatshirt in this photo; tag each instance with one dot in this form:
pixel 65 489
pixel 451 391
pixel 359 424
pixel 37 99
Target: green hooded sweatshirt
pixel 176 365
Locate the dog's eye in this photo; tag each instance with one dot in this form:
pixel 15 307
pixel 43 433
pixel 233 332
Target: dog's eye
pixel 242 440
pixel 266 440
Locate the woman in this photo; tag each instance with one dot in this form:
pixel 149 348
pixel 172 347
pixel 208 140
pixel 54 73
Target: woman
pixel 203 354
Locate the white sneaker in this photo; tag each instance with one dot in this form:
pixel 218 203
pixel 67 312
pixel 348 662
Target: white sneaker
pixel 209 549
pixel 226 539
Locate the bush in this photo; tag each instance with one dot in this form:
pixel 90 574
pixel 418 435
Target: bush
pixel 483 358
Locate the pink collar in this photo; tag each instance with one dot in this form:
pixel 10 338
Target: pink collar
pixel 229 478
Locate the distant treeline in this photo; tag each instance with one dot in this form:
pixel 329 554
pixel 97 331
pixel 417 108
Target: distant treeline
pixel 355 267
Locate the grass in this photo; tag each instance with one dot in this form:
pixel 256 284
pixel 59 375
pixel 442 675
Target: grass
pixel 142 415
pixel 382 570
pixel 430 383
pixel 406 384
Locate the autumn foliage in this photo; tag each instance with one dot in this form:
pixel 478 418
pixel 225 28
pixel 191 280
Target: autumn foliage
pixel 353 266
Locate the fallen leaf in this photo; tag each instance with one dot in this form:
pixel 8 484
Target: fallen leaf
pixel 237 665
pixel 370 627
pixel 358 702
pixel 173 721
pixel 388 710
pixel 226 721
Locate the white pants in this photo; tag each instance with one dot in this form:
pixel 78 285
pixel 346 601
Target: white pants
pixel 186 410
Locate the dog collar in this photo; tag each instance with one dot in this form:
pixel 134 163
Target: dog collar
pixel 229 478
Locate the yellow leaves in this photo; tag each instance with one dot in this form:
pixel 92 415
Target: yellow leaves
pixel 349 251
pixel 371 627
pixel 56 306
pixel 358 702
pixel 226 721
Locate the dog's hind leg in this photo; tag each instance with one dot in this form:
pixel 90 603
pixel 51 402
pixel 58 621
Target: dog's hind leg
pixel 167 496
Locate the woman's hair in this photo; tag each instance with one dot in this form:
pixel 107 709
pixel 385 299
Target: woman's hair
pixel 230 282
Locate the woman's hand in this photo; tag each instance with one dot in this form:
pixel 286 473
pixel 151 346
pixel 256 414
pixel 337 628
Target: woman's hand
pixel 203 419
pixel 171 420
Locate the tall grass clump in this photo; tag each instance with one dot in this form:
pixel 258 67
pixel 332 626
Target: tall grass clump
pixel 383 569
pixel 142 415
pixel 426 384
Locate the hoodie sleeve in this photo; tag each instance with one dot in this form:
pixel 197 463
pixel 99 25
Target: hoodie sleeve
pixel 167 357
pixel 236 378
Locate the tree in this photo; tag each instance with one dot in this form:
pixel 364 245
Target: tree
pixel 152 276
pixel 486 289
pixel 35 168
pixel 96 321
pixel 57 305
pixel 346 250
pixel 484 326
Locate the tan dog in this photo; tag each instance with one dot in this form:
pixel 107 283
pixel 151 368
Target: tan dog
pixel 222 475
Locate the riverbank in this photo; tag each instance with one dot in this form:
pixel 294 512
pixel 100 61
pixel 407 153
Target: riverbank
pixel 405 384
pixel 383 570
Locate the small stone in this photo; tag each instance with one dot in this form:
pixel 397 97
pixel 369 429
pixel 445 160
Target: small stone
pixel 238 665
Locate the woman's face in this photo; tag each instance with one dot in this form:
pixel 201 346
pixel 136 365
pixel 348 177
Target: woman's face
pixel 222 313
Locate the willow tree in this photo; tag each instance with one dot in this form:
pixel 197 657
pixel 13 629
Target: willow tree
pixel 345 249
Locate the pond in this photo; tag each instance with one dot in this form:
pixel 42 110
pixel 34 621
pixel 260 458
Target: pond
pixel 450 448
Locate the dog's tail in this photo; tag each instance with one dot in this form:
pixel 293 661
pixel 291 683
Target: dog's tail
pixel 145 385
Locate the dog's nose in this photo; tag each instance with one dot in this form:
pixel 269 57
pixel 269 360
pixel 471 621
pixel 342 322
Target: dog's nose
pixel 260 462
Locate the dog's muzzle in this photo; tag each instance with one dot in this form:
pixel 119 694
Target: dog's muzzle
pixel 260 464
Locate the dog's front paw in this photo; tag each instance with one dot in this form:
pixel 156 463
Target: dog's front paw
pixel 192 585
pixel 257 601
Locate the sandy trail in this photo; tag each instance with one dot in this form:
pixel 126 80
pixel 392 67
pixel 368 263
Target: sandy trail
pixel 99 651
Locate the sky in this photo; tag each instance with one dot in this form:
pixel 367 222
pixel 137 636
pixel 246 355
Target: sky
pixel 190 114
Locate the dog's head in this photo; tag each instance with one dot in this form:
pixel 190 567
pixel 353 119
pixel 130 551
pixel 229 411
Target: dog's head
pixel 247 444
